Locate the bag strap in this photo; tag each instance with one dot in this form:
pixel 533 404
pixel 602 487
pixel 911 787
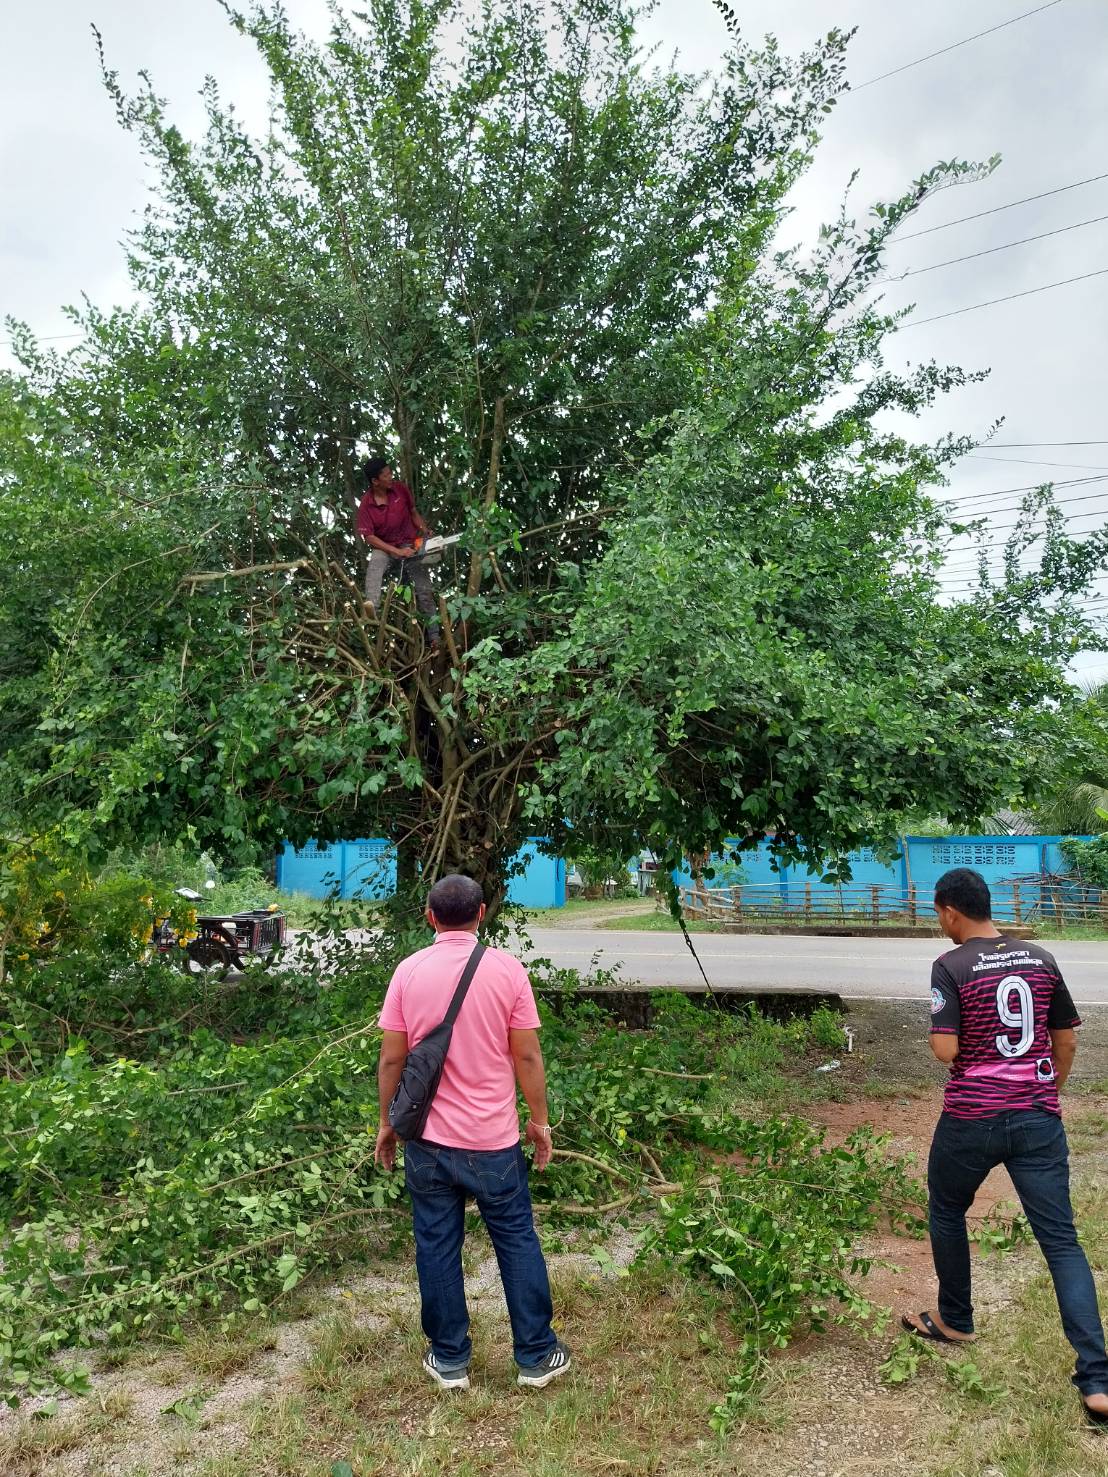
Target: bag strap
pixel 463 985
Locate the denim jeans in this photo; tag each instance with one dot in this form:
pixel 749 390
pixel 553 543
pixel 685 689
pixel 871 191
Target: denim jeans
pixel 1031 1144
pixel 439 1182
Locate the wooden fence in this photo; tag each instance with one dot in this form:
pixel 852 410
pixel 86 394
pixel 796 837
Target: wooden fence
pixel 1047 898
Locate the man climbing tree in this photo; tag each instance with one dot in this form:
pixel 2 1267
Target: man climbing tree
pixel 390 525
pixel 552 276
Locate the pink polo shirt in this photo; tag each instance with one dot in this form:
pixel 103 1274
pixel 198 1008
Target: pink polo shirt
pixel 475 1106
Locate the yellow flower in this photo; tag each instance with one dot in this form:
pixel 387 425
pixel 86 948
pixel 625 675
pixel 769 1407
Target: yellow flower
pixel 61 895
pixel 24 957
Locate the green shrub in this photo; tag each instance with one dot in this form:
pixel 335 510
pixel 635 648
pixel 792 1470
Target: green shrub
pixel 227 1153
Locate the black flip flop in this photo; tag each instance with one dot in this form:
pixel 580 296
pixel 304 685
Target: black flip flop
pixel 933 1331
pixel 1098 1419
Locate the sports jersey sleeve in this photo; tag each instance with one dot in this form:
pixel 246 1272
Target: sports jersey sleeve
pixel 1062 1015
pixel 946 1007
pixel 525 1013
pixel 392 1011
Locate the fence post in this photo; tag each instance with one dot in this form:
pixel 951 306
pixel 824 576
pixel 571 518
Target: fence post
pixel 807 902
pixel 737 903
pixel 1017 906
pixel 912 915
pixel 1059 910
pixel 875 901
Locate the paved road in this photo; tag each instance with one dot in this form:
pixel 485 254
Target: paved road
pixel 869 968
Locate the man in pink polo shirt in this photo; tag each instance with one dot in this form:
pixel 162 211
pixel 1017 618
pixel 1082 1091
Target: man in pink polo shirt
pixel 471 1144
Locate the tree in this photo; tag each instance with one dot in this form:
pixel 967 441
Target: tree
pixel 1074 798
pixel 698 593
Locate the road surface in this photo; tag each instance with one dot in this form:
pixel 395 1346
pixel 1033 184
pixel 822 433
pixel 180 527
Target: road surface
pixel 855 968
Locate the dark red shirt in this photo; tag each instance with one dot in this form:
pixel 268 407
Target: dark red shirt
pixel 392 520
pixel 1002 998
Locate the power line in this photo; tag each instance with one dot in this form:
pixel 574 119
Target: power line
pixel 1007 246
pixel 1010 297
pixel 1027 487
pixel 996 209
pixel 1031 461
pixel 45 338
pixel 1022 445
pixel 1062 502
pixel 954 47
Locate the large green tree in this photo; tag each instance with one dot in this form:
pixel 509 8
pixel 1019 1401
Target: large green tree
pixel 697 596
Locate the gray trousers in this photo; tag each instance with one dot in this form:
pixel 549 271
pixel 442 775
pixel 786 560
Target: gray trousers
pixel 411 572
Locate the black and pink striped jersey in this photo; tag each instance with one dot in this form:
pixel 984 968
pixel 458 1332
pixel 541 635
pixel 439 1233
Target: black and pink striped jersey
pixel 1001 997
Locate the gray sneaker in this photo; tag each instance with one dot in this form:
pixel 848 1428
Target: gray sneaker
pixel 446 1379
pixel 556 1362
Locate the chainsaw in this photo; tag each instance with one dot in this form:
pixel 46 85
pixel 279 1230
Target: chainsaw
pixel 430 550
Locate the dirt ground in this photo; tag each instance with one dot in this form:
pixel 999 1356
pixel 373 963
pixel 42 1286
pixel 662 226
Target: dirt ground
pixel 890 1047
pixel 893 1084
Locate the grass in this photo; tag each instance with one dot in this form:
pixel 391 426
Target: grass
pixel 658 921
pixel 644 1380
pixel 34 1446
pixel 1050 932
pixel 584 907
pixel 1029 1425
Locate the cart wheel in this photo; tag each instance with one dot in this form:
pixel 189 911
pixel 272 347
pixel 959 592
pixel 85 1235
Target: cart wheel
pixel 207 957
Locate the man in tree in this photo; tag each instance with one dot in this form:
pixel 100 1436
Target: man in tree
pixel 390 525
pixel 471 1145
pixel 1004 1022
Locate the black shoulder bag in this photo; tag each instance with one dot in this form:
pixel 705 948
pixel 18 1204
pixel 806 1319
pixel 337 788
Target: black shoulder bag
pixel 419 1081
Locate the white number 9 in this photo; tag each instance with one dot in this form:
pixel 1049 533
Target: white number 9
pixel 1021 1020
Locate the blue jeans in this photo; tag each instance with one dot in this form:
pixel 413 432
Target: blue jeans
pixel 439 1182
pixel 1031 1144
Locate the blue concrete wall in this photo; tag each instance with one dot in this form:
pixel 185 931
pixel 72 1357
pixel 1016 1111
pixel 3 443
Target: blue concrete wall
pixel 542 883
pixel 923 860
pixel 367 869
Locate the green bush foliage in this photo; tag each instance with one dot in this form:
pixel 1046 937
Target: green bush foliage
pixel 170 1150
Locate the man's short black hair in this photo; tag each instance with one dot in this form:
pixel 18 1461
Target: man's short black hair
pixel 373 468
pixel 455 900
pixel 967 891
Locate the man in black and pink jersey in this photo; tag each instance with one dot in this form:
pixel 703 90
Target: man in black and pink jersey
pixel 1003 1020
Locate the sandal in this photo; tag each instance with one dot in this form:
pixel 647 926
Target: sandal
pixel 930 1330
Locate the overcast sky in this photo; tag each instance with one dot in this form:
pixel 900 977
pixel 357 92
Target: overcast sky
pixel 1033 91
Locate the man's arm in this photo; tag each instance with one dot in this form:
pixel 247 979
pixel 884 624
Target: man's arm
pixel 392 550
pixel 1063 1048
pixel 946 1013
pixel 394 1051
pixel 531 1076
pixel 944 1045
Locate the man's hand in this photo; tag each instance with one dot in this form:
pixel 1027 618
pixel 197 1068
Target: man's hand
pixel 404 552
pixel 385 1152
pixel 540 1137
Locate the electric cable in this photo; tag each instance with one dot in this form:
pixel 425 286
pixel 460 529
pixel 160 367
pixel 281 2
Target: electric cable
pixel 1031 461
pixel 1010 297
pixel 1006 246
pixel 996 209
pixel 943 50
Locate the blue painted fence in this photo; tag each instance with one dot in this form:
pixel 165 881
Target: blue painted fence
pixel 367 869
pixel 1001 860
